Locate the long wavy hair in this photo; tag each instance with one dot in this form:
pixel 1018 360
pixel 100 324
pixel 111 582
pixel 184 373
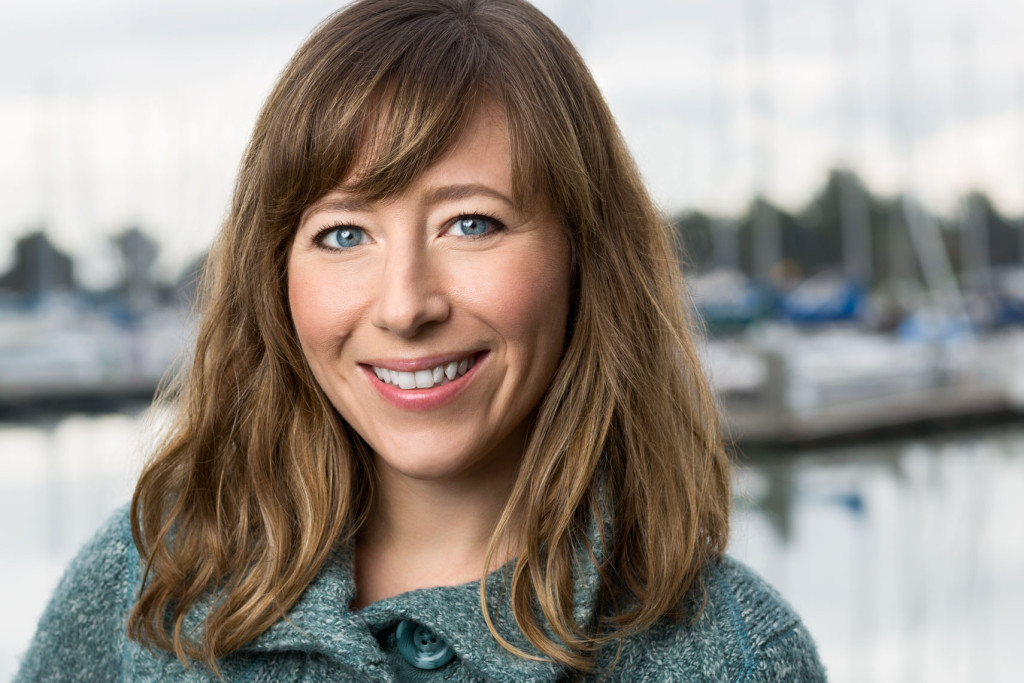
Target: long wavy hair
pixel 260 478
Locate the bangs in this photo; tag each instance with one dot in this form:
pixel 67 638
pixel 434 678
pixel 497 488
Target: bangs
pixel 373 109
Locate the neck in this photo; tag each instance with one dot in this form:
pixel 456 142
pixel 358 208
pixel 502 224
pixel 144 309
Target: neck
pixel 425 533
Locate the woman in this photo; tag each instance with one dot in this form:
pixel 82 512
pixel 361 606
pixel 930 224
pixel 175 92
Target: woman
pixel 444 419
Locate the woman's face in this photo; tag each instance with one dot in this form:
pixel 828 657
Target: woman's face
pixel 434 320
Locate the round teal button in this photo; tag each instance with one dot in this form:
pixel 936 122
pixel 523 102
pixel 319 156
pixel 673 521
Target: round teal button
pixel 421 647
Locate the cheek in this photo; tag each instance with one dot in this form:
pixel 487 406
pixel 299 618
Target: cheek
pixel 321 311
pixel 526 297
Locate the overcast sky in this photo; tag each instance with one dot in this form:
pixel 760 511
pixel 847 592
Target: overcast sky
pixel 117 112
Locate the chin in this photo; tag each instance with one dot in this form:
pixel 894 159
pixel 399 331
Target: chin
pixel 429 466
pixel 432 457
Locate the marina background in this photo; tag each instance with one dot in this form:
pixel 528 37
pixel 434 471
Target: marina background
pixel 846 177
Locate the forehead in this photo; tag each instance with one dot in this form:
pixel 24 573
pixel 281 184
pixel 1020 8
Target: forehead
pixel 479 161
pixel 480 154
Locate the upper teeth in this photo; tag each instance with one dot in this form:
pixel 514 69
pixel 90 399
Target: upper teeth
pixel 424 379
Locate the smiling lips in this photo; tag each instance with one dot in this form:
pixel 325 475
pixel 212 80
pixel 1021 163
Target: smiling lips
pixel 422 384
pixel 425 379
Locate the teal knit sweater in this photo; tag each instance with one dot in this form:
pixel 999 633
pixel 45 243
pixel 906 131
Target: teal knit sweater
pixel 746 632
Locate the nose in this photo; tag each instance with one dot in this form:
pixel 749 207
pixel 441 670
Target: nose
pixel 411 292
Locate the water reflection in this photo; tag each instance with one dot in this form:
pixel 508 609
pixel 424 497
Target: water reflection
pixel 905 559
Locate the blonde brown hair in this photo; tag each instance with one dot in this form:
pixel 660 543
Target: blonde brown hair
pixel 260 477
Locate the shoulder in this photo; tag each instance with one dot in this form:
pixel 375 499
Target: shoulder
pixel 81 632
pixel 746 632
pixel 775 640
pixel 103 562
pixel 102 567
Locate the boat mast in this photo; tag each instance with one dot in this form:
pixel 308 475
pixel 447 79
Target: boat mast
pixel 974 229
pixel 925 238
pixel 854 216
pixel 767 237
pixel 725 248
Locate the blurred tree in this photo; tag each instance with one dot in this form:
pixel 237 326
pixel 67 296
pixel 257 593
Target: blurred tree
pixel 1003 238
pixel 138 254
pixel 844 215
pixel 894 253
pixel 824 214
pixel 39 268
pixel 799 251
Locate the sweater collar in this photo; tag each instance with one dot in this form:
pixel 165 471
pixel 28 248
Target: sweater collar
pixel 322 620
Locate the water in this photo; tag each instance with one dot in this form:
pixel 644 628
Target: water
pixel 58 481
pixel 906 560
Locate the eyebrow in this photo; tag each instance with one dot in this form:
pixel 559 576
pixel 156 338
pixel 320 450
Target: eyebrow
pixel 433 195
pixel 453 192
pixel 336 203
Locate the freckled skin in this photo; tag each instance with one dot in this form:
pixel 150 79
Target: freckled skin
pixel 415 287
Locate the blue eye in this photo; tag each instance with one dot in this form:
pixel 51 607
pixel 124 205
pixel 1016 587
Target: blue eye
pixel 342 237
pixel 474 226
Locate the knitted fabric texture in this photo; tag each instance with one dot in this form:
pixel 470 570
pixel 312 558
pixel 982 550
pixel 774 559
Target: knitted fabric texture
pixel 745 634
